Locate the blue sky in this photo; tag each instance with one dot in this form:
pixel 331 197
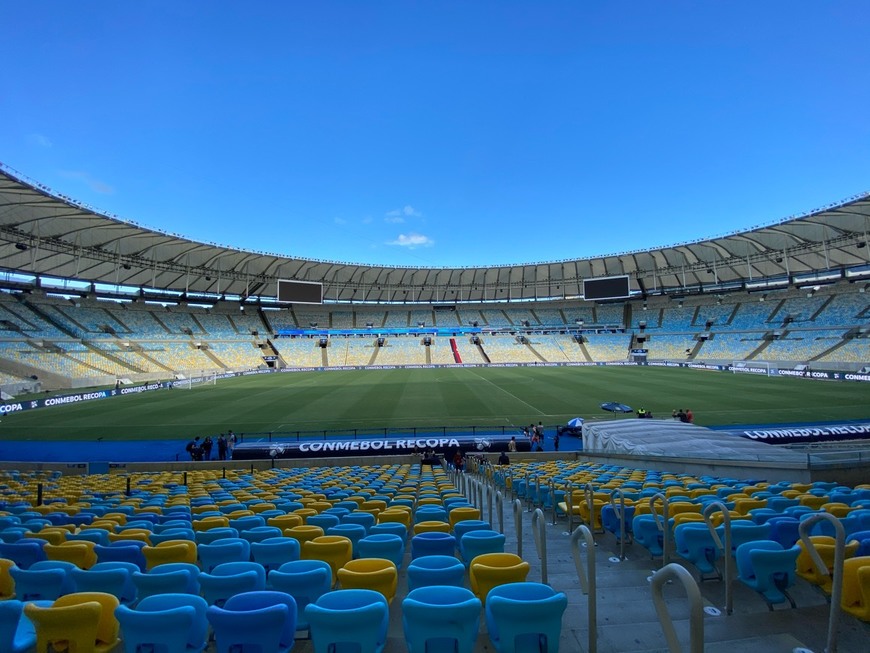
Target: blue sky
pixel 440 133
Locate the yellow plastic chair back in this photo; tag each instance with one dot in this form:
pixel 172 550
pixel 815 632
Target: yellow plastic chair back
pixel 376 574
pixel 493 569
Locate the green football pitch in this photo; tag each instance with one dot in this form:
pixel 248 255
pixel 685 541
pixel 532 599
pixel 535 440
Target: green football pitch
pixel 448 397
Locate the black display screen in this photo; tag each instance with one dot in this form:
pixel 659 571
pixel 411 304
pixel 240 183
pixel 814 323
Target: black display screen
pixel 606 288
pixel 300 292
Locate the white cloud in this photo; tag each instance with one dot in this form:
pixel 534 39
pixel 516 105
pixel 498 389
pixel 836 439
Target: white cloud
pixel 340 221
pixel 412 241
pixel 398 215
pixel 94 184
pixel 41 140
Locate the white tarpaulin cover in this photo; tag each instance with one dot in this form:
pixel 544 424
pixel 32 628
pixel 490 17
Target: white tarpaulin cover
pixel 658 437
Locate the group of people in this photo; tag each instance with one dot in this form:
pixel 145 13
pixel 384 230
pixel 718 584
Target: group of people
pixel 684 415
pixel 201 450
pixel 535 435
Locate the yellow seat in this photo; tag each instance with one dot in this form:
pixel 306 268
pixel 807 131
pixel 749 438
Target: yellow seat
pixel 303 533
pixel 207 523
pixel 431 527
pixel 262 507
pixel 7 585
pixel 335 550
pixel 743 506
pixel 50 535
pixel 717 518
pixel 856 587
pixel 395 515
pixel 238 514
pixel 135 534
pixel 376 574
pixel 813 501
pixel 429 501
pixel 684 517
pixel 461 514
pixel 838 510
pixel 78 552
pixel 824 545
pixel 284 521
pixel 493 569
pixel 82 622
pixel 304 513
pixel 118 517
pixel 319 506
pixel 169 551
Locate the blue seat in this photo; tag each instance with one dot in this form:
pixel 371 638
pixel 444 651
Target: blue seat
pixel 197 634
pixel 275 551
pixel 17 634
pixel 364 519
pixel 95 535
pixel 247 523
pixel 193 572
pixel 432 543
pixel 251 601
pixel 305 581
pixel 173 534
pixel 784 530
pixel 353 532
pixel 468 525
pixel 172 524
pixel 441 619
pixel 430 513
pixel 743 531
pixel 212 534
pixel 231 578
pixel 161 631
pixel 12 534
pixel 694 542
pixel 524 617
pixel 347 619
pixel 46 580
pixel 324 520
pixel 123 551
pixel 24 552
pixel 115 578
pixel 477 542
pixel 768 568
pixel 431 570
pixel 610 522
pixel 391 528
pixel 383 545
pixel 863 539
pixel 260 533
pixel 645 532
pixel 231 549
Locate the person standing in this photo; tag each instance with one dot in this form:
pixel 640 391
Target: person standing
pixel 512 445
pixel 207 445
pixel 690 416
pixel 231 438
pixel 222 447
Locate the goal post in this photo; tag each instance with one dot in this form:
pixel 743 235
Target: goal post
pixel 188 383
pixel 751 367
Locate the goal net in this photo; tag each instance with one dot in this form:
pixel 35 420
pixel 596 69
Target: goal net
pixel 194 382
pixel 750 367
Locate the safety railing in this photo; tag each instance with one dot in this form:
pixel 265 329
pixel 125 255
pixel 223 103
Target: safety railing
pixel 672 572
pixel 539 530
pixel 587 580
pixel 837 578
pixel 725 547
pixel 518 525
pixel 662 524
pixel 499 504
pixel 617 501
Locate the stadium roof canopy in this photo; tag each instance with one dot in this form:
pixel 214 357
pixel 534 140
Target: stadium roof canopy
pixel 50 235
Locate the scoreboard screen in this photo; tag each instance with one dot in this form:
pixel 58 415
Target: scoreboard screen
pixel 300 292
pixel 606 288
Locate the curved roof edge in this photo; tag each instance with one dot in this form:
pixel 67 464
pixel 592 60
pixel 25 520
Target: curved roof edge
pixel 47 234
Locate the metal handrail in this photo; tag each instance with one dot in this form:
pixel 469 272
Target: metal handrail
pixel 708 511
pixel 839 556
pixel 539 530
pixel 696 608
pixel 569 505
pixel 499 502
pixel 589 495
pixel 518 525
pixel 489 491
pixel 619 509
pixel 662 524
pixel 553 498
pixel 587 580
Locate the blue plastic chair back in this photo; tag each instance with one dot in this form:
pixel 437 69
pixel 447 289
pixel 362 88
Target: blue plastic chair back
pixel 440 570
pixel 213 534
pixel 24 552
pixel 192 571
pixel 468 525
pixel 275 551
pixel 767 568
pixel 383 545
pixel 349 620
pixel 17 634
pixel 441 619
pixel 364 519
pixel 259 630
pixel 231 578
pixel 432 543
pixel 45 580
pixel 304 580
pixel 197 636
pixel 694 542
pixel 224 550
pixel 127 551
pixel 115 578
pixel 258 600
pixel 524 617
pixel 477 542
pixel 163 631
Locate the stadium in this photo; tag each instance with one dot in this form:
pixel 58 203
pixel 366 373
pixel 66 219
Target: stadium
pixel 492 327
pixel 120 321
